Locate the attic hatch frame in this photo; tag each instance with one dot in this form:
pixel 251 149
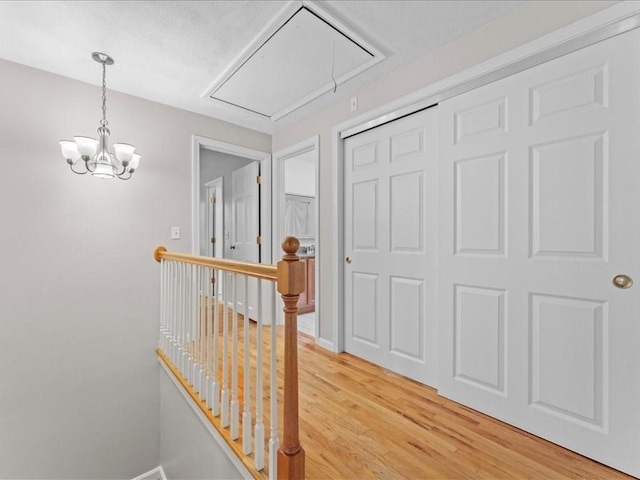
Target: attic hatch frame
pixel 287 14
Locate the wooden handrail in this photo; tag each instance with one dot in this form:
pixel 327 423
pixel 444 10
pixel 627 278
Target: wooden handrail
pixel 265 272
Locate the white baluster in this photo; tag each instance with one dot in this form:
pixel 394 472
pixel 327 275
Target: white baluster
pixel 179 323
pixel 198 329
pixel 206 391
pixel 170 302
pixel 246 410
pixel 224 416
pixel 179 331
pixel 167 340
pixel 274 441
pixel 187 324
pixel 184 341
pixel 162 300
pixel 202 309
pixel 168 307
pixel 215 385
pixel 174 314
pixel 259 427
pixel 234 362
pixel 193 327
pixel 206 305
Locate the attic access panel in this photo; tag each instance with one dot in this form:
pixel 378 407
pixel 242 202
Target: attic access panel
pixel 304 58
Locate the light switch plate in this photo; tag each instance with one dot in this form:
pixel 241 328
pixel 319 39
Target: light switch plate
pixel 175 233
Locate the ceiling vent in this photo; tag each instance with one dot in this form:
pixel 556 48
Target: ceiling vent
pixel 303 55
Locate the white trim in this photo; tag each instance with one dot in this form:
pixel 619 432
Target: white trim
pixel 308 145
pixel 612 21
pixel 213 183
pixel 217 250
pixel 207 424
pixel 328 344
pixel 607 23
pixel 337 328
pixel 153 474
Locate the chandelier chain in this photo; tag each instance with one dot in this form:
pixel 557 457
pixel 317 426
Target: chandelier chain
pixel 104 122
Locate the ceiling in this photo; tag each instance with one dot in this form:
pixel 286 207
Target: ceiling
pixel 183 53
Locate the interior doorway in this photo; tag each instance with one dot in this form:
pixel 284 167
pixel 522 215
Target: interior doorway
pixel 295 213
pixel 216 168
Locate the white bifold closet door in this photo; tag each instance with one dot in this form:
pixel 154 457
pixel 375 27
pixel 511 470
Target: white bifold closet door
pixel 390 245
pixel 539 179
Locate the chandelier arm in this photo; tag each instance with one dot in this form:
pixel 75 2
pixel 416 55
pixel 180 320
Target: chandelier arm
pixel 75 171
pixel 86 165
pixel 124 170
pixel 122 177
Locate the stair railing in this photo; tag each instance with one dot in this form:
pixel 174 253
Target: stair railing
pixel 207 317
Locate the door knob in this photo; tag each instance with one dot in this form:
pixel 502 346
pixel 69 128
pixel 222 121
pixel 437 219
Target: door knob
pixel 232 247
pixel 348 260
pixel 622 281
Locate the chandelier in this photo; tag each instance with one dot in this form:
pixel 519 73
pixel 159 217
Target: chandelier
pixel 94 154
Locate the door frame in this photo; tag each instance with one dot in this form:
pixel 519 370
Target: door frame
pixel 265 192
pixel 279 157
pixel 218 184
pixel 605 24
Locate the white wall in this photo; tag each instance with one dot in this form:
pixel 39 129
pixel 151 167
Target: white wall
pixel 300 175
pixel 78 283
pixel 525 23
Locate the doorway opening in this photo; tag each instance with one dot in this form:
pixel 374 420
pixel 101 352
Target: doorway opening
pixel 295 201
pixel 232 210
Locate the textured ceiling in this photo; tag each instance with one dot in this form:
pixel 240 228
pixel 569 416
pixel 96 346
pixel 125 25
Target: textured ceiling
pixel 173 51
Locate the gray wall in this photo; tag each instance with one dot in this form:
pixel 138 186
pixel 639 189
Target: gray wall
pixel 188 450
pixel 523 24
pixel 78 283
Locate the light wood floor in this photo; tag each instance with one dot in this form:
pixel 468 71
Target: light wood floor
pixel 360 421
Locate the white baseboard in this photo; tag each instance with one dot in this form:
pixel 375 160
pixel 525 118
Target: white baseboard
pixel 155 474
pixel 328 344
pixel 307 324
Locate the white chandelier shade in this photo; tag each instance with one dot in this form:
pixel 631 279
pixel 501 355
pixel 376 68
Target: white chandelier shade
pixel 93 155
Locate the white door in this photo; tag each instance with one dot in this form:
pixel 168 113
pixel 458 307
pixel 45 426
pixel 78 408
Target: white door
pixel 539 211
pixel 246 228
pixel 390 245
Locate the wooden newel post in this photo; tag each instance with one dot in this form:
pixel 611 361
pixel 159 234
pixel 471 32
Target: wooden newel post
pixel 291 283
